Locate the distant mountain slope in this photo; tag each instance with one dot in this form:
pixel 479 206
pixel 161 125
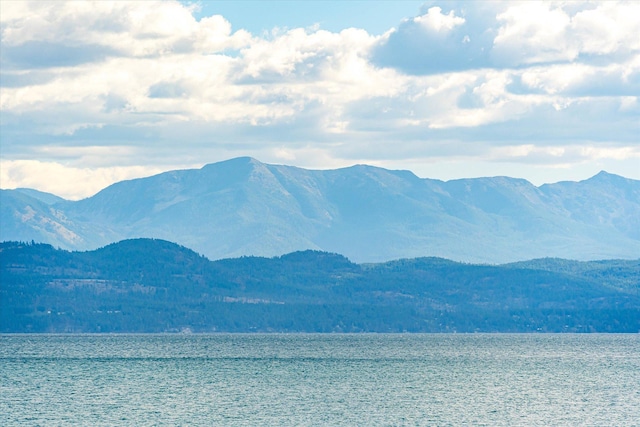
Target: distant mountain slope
pixel 47 198
pixel 147 285
pixel 42 219
pixel 244 207
pixel 24 217
pixel 612 202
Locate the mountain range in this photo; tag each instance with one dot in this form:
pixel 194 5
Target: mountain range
pixel 243 207
pixel 149 285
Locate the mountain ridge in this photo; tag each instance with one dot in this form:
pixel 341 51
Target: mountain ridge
pixel 152 285
pixel 244 207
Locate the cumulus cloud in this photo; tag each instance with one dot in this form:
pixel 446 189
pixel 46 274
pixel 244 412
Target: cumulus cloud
pixel 511 34
pixel 133 29
pixel 117 84
pixel 454 37
pixel 544 32
pixel 435 21
pixel 54 177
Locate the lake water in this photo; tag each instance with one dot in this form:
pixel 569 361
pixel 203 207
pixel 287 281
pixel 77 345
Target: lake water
pixel 320 380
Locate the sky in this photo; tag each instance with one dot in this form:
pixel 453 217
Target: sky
pixel 92 93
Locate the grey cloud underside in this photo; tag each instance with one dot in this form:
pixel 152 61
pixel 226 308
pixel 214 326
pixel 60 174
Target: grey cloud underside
pixel 38 54
pixel 372 131
pixel 244 207
pixel 31 78
pixel 168 90
pixel 414 49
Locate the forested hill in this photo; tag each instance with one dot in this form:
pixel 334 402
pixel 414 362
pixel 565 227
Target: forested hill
pixel 147 285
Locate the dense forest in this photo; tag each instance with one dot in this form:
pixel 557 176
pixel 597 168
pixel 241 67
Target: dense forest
pixel 148 285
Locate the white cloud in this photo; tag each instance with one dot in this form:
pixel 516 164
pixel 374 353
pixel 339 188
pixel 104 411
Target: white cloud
pixel 533 32
pixel 579 79
pixel 629 104
pixel 611 27
pixel 538 32
pixel 66 181
pixel 437 21
pixel 140 29
pixel 562 155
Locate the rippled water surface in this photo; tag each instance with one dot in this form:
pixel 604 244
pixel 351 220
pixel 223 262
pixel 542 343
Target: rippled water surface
pixel 316 380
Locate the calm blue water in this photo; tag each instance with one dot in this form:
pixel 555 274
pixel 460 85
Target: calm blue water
pixel 318 380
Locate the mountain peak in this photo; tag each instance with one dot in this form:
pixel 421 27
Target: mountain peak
pixel 604 175
pixel 236 161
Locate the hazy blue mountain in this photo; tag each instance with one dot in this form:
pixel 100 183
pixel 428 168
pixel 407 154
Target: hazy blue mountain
pixel 47 198
pixel 244 207
pixel 27 215
pixel 145 285
pixel 612 202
